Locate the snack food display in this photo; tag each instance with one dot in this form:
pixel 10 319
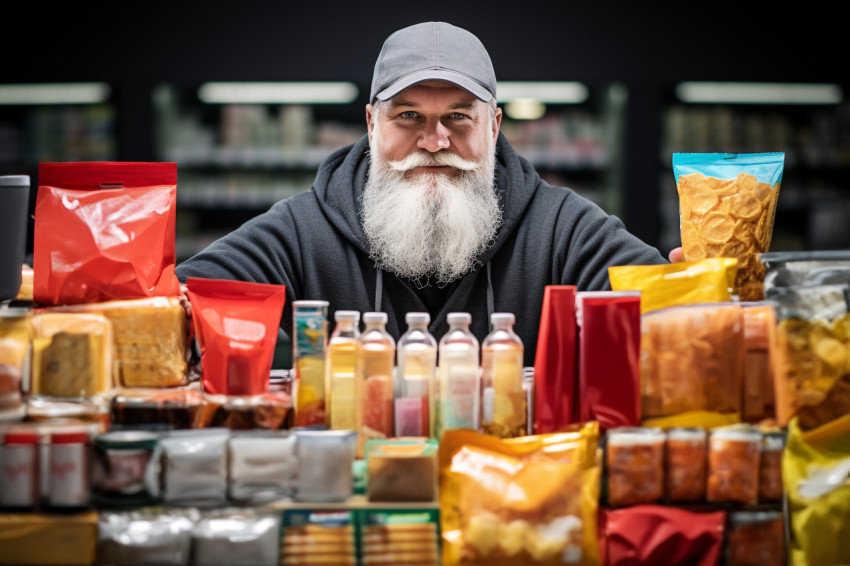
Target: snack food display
pixel 727 206
pixel 734 454
pixel 685 465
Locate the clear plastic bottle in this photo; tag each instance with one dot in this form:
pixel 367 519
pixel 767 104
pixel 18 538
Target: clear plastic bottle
pixel 415 376
pixel 459 376
pixel 342 359
pixel 504 411
pixel 374 380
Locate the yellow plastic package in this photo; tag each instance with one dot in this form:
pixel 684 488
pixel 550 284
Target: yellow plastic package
pixel 150 339
pixel 14 356
pixel 71 354
pixel 681 283
pixel 36 538
pixel 815 469
pixel 526 500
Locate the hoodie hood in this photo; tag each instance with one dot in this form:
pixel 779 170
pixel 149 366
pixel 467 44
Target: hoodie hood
pixel 342 177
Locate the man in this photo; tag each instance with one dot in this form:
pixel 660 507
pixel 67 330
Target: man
pixel 431 211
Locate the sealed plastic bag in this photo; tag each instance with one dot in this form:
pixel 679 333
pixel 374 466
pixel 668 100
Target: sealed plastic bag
pixel 527 500
pixel 692 359
pixel 727 205
pixel 609 347
pixel 702 281
pixel 654 534
pixel 104 231
pixel 555 361
pixel 816 468
pixel 236 326
pixel 14 357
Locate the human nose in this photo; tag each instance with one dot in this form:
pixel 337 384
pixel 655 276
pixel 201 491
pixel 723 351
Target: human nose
pixel 434 137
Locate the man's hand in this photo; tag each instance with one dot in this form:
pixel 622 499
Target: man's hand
pixel 676 255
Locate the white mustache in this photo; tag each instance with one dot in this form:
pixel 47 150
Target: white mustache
pixel 426 158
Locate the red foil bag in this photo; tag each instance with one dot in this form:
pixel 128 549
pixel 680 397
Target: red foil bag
pixel 236 326
pixel 609 357
pixel 554 361
pixel 104 231
pixel 655 534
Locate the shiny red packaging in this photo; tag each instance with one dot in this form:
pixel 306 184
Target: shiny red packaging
pixel 608 357
pixel 236 325
pixel 554 362
pixel 104 231
pixel 656 534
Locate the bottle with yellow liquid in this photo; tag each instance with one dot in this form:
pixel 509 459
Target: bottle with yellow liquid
pixel 504 410
pixel 310 327
pixel 342 353
pixel 459 381
pixel 374 380
pixel 415 375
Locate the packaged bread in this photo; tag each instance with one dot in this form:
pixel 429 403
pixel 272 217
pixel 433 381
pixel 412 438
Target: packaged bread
pixel 71 354
pixel 401 470
pixel 14 355
pixel 150 338
pixel 692 359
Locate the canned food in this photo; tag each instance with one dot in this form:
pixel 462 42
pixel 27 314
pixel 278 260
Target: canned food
pixel 635 459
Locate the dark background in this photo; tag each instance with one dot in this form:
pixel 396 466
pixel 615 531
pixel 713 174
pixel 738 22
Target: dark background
pixel 648 47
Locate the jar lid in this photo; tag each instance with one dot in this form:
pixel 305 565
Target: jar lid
pixel 737 433
pixel 634 435
pixel 69 437
pixel 686 433
pixel 21 438
pixel 310 304
pixel 14 180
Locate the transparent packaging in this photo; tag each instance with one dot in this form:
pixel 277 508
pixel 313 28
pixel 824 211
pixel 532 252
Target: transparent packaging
pixel 685 464
pixel 342 361
pixel 402 469
pixel 415 378
pixel 325 462
pixel 374 380
pixel 733 464
pixel 459 374
pixel 504 410
pixel 308 353
pixel 635 461
pixel 770 467
pixel 14 360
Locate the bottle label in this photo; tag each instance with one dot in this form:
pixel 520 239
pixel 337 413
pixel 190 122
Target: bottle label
pixel 460 404
pixel 411 416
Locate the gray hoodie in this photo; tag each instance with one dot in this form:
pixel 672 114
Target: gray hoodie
pixel 313 244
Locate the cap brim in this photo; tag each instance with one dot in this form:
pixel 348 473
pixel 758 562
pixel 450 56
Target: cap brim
pixel 457 79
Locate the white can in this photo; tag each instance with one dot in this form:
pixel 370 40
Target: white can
pixel 19 486
pixel 68 484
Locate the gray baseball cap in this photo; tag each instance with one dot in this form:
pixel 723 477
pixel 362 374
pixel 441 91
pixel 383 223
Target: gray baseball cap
pixel 433 51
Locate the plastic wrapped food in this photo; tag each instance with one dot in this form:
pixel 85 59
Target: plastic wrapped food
pixel 236 536
pixel 71 354
pixel 322 537
pixel 759 396
pixel 685 465
pixel 770 467
pixel 734 455
pixel 815 467
pixel 635 465
pixel 527 500
pixel 173 408
pixel 149 348
pixel 137 538
pixel 692 359
pixel 401 470
pixel 262 466
pixel 727 205
pixel 14 357
pixel 325 459
pixel 194 466
pixel 271 411
pixel 755 538
pixel 399 536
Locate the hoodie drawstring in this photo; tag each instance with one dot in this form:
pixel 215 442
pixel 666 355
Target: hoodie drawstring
pixel 379 289
pixel 490 301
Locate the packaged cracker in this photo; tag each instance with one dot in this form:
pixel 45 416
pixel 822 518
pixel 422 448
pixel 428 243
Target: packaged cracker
pixel 399 536
pixel 325 537
pixel 527 500
pixel 117 236
pixel 727 206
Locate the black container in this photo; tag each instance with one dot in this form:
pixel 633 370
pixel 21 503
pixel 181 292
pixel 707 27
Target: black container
pixel 14 204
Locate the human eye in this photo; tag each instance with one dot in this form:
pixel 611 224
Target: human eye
pixel 459 116
pixel 408 115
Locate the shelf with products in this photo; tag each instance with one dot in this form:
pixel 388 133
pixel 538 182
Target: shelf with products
pixel 246 156
pixel 815 139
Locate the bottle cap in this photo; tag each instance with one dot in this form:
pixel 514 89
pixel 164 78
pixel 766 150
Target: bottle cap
pixel 347 315
pixel 459 318
pixel 374 317
pixel 498 318
pixel 14 180
pixel 417 318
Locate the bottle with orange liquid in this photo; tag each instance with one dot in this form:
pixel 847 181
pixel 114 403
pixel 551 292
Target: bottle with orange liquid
pixel 374 380
pixel 342 354
pixel 504 411
pixel 415 375
pixel 459 383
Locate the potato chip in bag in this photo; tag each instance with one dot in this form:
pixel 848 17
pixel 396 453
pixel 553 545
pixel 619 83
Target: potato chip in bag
pixel 526 500
pixel 707 280
pixel 815 469
pixel 727 205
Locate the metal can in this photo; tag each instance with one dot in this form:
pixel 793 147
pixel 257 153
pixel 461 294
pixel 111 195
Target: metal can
pixel 20 482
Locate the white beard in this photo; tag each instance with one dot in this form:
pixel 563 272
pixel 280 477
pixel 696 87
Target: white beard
pixel 434 226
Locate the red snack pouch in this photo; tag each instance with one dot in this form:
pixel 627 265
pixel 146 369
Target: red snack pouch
pixel 655 534
pixel 104 231
pixel 554 361
pixel 236 326
pixel 608 359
